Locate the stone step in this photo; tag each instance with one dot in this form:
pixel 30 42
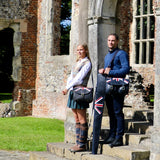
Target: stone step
pixel 99 157
pixel 134 138
pixel 44 156
pixel 140 127
pixel 50 156
pixel 127 152
pixel 130 135
pixel 62 150
pixel 138 115
pixel 128 139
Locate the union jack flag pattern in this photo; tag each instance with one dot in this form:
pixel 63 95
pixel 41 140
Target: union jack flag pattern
pixel 99 105
pixel 120 80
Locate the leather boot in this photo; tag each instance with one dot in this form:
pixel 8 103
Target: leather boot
pixel 83 139
pixel 116 142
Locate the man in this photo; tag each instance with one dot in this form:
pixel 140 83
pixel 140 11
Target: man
pixel 118 68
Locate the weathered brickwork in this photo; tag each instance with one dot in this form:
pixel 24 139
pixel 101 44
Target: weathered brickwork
pixel 28 54
pixel 124 14
pixel 14 9
pixel 17 12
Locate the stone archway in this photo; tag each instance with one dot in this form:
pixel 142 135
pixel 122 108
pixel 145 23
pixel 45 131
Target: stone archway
pixel 6 54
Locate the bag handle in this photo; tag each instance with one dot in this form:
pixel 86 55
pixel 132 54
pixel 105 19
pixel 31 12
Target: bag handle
pixel 109 66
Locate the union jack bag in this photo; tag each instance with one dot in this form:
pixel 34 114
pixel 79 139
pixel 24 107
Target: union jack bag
pixel 117 86
pixel 83 94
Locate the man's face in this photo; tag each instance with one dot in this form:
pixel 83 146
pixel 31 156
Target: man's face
pixel 112 42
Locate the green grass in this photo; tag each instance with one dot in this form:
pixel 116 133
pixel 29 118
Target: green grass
pixel 29 133
pixel 5 97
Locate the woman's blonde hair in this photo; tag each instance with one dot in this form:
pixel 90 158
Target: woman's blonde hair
pixel 85 46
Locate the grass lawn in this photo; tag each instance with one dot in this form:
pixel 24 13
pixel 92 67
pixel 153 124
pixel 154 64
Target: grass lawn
pixel 5 97
pixel 29 133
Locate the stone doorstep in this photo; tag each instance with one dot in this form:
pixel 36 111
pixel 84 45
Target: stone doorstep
pixel 62 150
pixel 116 153
pixel 44 156
pixel 127 152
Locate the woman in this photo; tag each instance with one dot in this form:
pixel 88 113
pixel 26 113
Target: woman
pixel 79 77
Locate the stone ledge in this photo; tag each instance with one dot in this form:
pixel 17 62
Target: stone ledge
pixel 44 156
pixel 127 152
pixel 116 153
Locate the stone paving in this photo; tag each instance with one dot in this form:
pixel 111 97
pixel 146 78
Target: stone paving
pixel 18 155
pixel 13 155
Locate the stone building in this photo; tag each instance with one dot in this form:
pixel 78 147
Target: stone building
pixel 40 72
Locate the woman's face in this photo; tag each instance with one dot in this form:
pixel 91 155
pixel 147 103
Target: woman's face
pixel 81 52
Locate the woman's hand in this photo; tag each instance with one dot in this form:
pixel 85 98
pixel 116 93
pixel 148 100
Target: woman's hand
pixel 65 91
pixel 104 71
pixel 101 71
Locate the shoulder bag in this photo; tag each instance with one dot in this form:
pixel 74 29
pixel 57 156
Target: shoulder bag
pixel 83 94
pixel 117 85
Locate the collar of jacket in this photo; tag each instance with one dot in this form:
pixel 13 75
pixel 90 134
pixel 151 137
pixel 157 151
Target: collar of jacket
pixel 113 50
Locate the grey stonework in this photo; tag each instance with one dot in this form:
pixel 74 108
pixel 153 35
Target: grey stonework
pixel 155 137
pixel 10 9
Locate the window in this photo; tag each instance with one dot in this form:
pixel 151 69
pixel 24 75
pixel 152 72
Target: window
pixel 144 32
pixel 65 26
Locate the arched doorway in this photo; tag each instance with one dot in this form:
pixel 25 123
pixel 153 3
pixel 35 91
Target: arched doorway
pixel 6 55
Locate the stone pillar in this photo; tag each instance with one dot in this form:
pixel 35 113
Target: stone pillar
pixel 155 137
pixel 101 22
pixel 79 34
pixel 83 15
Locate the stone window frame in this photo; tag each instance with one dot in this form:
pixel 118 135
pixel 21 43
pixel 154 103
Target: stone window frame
pixel 142 46
pixel 18 27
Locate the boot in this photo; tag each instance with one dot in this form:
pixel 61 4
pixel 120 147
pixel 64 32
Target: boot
pixel 83 139
pixel 117 142
pixel 77 136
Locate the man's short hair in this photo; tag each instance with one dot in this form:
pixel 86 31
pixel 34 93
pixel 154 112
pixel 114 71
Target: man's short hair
pixel 114 34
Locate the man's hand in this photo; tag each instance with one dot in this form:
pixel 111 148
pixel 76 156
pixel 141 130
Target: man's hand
pixel 107 70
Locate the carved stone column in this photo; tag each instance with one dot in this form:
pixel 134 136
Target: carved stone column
pixel 79 35
pixel 101 22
